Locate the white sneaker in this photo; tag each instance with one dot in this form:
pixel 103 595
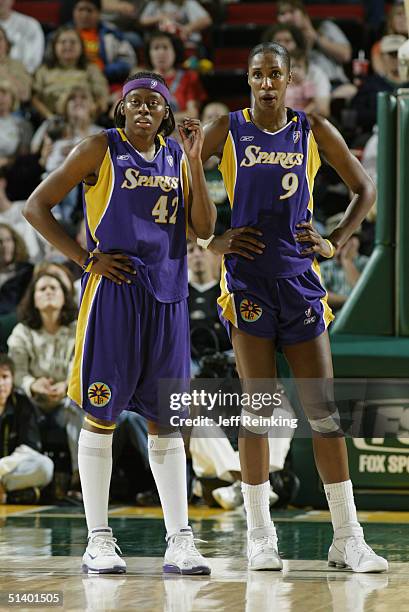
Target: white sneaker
pixel 350 551
pixel 100 556
pixel 231 497
pixel 182 556
pixel 262 550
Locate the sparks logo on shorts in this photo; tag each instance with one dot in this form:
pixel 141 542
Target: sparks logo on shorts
pixel 250 311
pixel 99 394
pixel 296 136
pixel 309 319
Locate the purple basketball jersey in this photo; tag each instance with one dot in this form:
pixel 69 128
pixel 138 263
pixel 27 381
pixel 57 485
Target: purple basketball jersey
pixel 269 178
pixel 138 207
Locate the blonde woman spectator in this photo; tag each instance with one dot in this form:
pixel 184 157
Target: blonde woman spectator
pixel 25 34
pixel 13 70
pixel 65 67
pixel 42 347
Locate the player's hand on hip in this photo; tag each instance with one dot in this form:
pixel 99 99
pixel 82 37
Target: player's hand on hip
pixel 316 243
pixel 192 136
pixel 113 266
pixel 239 240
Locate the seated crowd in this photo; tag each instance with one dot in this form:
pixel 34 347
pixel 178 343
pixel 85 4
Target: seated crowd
pixel 57 89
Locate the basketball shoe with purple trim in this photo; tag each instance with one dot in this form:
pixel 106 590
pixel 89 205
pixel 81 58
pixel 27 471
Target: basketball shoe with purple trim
pixel 182 556
pixel 100 556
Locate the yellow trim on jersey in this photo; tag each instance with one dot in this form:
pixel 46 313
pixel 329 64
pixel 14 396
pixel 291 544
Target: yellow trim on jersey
pixel 226 299
pixel 98 196
pixel 184 177
pixel 328 315
pixel 228 167
pixel 246 114
pixel 122 134
pixel 75 385
pixel 312 167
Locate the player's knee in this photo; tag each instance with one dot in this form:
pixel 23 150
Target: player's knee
pixel 255 423
pixel 329 424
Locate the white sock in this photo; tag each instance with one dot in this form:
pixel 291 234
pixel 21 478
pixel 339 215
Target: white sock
pixel 341 504
pixel 167 459
pixel 257 504
pixel 95 466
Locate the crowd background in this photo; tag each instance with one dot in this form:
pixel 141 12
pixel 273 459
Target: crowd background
pixel 62 64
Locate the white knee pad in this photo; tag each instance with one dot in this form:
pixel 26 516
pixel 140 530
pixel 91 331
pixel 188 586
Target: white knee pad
pixel 328 424
pixel 255 423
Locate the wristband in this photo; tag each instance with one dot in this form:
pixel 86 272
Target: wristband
pixel 333 249
pixel 204 243
pixel 86 266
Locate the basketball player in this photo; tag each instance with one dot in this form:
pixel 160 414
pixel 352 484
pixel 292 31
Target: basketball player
pixel 133 320
pixel 272 293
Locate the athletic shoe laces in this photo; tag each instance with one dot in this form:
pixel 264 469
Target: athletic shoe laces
pixel 360 547
pixel 106 544
pixel 261 543
pixel 187 543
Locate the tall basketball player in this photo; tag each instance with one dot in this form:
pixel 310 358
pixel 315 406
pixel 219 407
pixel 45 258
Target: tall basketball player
pixel 271 287
pixel 133 320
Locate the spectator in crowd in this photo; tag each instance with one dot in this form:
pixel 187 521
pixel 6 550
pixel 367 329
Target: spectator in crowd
pixel 23 468
pixel 13 70
pixel 124 15
pixel 206 332
pixel 42 347
pixel 104 46
pixel 77 110
pixel 56 269
pixel 341 273
pixel 365 102
pixel 15 269
pixel 302 93
pixel 15 132
pixel 164 54
pixel 65 66
pixel 395 24
pixel 292 38
pixel 25 35
pixel 11 214
pixel 328 46
pixel 184 18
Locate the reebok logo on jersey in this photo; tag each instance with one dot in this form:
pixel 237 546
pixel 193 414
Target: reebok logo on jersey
pixel 246 138
pixel 254 155
pixel 123 157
